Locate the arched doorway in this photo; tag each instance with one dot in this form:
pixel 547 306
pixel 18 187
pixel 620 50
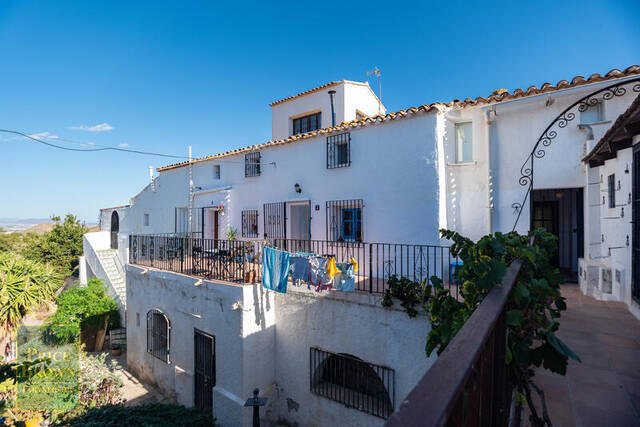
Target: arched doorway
pixel 115 227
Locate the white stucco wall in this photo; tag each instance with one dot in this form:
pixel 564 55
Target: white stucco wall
pixel 264 342
pixel 393 170
pixel 349 96
pixel 513 132
pixel 612 246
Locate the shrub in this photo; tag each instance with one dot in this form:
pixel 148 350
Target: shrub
pixel 150 414
pixel 83 308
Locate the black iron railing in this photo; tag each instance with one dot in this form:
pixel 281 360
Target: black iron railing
pixel 241 260
pixel 468 383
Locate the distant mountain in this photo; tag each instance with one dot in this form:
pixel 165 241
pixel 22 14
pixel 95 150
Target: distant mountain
pixel 40 228
pixel 24 220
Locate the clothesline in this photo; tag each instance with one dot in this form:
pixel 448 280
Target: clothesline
pixel 321 272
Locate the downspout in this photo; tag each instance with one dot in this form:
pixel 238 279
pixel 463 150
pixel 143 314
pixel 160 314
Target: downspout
pixel 487 137
pixel 333 110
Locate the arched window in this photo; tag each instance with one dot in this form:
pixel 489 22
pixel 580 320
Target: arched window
pixel 158 330
pixel 352 381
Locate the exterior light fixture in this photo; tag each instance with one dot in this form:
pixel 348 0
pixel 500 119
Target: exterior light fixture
pixel 619 186
pixel 622 213
pixel 626 169
pixel 559 194
pixel 627 240
pixel 297 188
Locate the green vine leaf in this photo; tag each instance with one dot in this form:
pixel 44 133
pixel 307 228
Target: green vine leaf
pixel 515 317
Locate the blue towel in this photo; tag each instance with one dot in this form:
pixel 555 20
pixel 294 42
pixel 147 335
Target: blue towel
pixel 300 268
pixel 345 281
pixel 275 269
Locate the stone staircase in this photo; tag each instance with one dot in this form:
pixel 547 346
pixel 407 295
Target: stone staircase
pixel 113 268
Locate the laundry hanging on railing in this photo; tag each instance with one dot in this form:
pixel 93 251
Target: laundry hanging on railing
pixel 275 269
pixel 345 280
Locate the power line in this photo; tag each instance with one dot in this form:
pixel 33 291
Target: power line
pixel 101 148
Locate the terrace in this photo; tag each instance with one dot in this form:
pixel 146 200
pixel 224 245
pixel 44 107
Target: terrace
pixel 240 261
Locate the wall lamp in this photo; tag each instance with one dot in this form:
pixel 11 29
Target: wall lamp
pixel 297 188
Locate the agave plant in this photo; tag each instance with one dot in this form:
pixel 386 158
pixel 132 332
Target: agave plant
pixel 24 285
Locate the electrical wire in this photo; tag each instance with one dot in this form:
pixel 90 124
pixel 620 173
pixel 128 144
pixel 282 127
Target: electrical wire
pixel 101 148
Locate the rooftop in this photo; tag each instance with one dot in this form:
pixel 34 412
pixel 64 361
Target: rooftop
pixel 496 96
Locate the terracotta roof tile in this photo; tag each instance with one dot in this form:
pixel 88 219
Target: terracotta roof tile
pixel 499 95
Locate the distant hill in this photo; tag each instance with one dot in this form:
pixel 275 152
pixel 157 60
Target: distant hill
pixel 40 228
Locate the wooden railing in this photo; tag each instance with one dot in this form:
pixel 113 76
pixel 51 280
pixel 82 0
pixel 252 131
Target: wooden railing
pixel 468 384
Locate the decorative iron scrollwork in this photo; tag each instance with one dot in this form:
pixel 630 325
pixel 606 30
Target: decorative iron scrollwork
pixel 561 121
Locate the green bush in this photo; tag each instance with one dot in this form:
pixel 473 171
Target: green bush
pixel 151 414
pixel 83 308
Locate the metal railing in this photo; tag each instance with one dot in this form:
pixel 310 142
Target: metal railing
pixel 468 384
pixel 241 260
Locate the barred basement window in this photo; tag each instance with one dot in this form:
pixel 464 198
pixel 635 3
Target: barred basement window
pixel 250 223
pixel 158 328
pixel 339 150
pixel 344 220
pixel 349 380
pixel 612 190
pixel 252 164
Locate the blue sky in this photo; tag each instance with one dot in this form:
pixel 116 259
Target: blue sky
pixel 166 75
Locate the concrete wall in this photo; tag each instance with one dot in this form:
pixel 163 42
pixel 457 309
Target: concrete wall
pixel 263 340
pixel 349 323
pixel 241 337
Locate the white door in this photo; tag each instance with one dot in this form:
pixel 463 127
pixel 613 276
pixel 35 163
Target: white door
pixel 299 221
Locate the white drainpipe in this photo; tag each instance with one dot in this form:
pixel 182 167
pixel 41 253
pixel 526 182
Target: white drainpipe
pixel 487 137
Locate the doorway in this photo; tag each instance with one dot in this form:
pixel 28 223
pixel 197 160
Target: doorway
pixel 204 369
pixel 115 228
pixel 560 212
pixel 210 225
pixel 299 214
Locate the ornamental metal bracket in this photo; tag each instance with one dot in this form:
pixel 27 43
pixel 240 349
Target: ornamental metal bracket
pixel 560 122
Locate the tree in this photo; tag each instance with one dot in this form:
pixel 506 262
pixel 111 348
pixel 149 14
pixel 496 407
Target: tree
pixel 59 247
pixel 24 285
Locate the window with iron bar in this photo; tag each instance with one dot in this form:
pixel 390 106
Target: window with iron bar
pixel 344 220
pixel 250 223
pixel 158 328
pixel 347 379
pixel 307 123
pixel 339 151
pixel 252 164
pixel 612 190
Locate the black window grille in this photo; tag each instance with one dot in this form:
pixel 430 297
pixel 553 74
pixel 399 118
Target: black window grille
pixel 250 223
pixel 344 220
pixel 252 164
pixel 612 190
pixel 349 380
pixel 339 150
pixel 158 328
pixel 274 220
pixel 307 123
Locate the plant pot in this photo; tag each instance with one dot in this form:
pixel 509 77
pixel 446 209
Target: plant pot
pixel 250 277
pixel 116 351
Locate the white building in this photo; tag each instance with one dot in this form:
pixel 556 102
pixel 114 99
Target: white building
pixel 508 161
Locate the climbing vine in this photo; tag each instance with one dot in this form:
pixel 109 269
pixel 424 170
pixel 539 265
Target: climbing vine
pixel 533 308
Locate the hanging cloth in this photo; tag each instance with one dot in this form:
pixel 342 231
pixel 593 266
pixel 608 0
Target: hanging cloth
pixel 275 269
pixel 355 264
pixel 318 274
pixel 345 281
pixel 299 267
pixel 332 270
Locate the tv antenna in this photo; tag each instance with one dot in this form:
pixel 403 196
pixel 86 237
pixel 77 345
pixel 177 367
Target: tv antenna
pixel 376 72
